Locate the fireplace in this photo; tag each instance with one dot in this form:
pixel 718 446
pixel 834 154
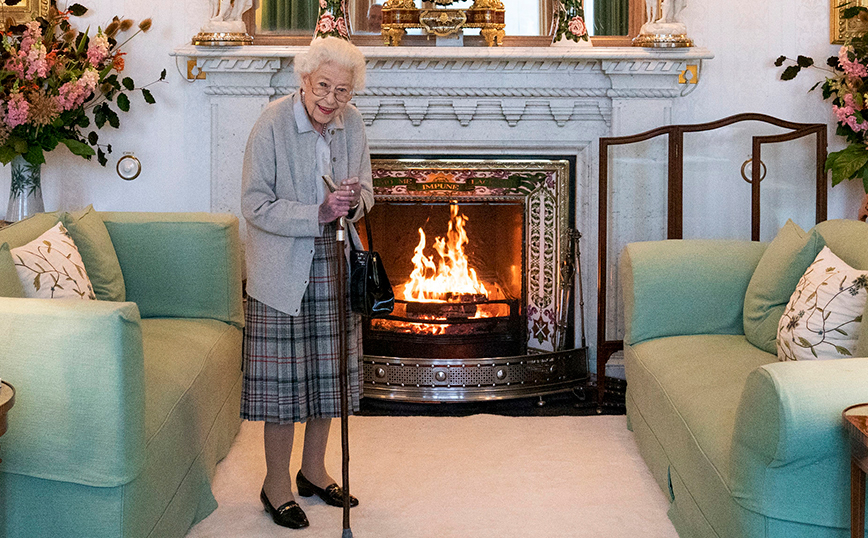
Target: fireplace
pixel 474 249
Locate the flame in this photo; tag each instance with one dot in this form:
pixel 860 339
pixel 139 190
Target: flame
pixel 451 276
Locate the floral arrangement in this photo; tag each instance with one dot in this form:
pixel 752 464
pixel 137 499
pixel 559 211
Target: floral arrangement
pixel 569 21
pixel 53 79
pixel 332 19
pixel 847 87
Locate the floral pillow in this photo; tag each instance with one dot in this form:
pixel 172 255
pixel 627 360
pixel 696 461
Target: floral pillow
pixel 824 314
pixel 50 267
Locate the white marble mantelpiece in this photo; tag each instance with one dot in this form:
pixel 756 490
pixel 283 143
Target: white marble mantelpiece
pixel 508 101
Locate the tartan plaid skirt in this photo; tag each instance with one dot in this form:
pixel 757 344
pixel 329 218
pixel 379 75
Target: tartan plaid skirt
pixel 291 362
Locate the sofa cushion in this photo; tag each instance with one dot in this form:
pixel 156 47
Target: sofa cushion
pixel 774 280
pixel 848 239
pixel 10 285
pixel 687 389
pixel 823 317
pixel 50 267
pixel 97 252
pixel 25 231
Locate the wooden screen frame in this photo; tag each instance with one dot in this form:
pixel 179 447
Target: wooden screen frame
pixel 675 191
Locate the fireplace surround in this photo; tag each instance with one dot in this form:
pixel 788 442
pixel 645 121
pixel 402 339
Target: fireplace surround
pixel 454 101
pixel 516 216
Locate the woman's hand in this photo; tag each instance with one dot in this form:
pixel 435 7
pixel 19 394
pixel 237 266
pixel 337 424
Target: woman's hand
pixel 336 204
pixel 351 184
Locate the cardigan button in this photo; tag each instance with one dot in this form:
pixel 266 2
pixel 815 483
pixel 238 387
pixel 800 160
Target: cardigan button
pixel 334 159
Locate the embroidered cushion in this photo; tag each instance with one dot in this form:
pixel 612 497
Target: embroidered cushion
pixel 773 281
pixel 50 267
pixel 824 315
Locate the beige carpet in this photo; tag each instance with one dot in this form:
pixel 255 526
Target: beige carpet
pixel 482 476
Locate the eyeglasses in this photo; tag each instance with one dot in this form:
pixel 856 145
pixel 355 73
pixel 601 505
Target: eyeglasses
pixel 322 89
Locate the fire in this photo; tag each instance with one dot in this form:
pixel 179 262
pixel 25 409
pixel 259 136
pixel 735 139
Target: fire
pixel 451 277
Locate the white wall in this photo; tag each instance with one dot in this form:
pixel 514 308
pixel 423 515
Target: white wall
pixel 745 36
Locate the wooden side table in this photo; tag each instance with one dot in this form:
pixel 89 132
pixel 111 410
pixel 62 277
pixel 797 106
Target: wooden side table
pixel 7 400
pixel 856 421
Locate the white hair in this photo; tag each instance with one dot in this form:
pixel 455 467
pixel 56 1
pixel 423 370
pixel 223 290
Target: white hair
pixel 336 51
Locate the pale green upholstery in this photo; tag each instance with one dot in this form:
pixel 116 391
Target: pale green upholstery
pixel 742 445
pixel 121 416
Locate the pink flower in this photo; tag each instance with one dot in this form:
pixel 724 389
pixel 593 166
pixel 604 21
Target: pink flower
pixel 852 69
pixel 74 93
pixel 326 23
pixel 577 26
pixel 98 50
pixel 16 64
pixel 36 63
pixel 342 27
pixel 323 4
pixel 32 34
pixel 17 111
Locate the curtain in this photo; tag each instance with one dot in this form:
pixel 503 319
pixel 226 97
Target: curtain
pixel 611 17
pixel 283 15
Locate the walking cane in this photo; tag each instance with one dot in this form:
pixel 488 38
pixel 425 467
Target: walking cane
pixel 343 369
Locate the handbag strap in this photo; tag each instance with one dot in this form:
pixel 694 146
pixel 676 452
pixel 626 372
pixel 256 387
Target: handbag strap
pixel 367 231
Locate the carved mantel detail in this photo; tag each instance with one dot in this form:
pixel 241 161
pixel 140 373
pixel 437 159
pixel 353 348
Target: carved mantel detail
pixel 511 85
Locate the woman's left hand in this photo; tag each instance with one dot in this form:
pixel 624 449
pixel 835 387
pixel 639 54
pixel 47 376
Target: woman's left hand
pixel 352 185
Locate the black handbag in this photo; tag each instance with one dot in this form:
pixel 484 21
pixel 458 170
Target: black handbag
pixel 370 291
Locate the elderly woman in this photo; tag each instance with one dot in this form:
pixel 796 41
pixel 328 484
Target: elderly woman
pixel 291 340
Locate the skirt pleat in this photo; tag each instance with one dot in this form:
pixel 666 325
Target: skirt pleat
pixel 291 362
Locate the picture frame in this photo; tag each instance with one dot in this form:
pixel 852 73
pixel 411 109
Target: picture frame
pixel 23 11
pixel 840 29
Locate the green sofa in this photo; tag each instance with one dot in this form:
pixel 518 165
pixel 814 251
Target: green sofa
pixel 124 407
pixel 742 445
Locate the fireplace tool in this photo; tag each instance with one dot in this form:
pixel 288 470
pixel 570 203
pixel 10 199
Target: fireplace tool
pixel 572 266
pixel 343 366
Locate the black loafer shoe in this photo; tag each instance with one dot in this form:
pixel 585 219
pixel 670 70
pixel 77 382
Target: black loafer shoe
pixel 286 515
pixel 332 495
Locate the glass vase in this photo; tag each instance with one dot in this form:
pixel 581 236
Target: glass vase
pixel 569 22
pixel 25 192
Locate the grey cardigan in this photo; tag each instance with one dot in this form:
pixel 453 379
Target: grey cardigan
pixel 279 197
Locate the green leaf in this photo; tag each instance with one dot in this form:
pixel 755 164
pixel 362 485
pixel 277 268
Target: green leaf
pixel 92 138
pixel 99 117
pixel 112 116
pixel 847 162
pixel 790 72
pixel 843 351
pixel 100 156
pixel 78 148
pixel 842 331
pixel 780 61
pixel 34 155
pixel 7 154
pixel 77 9
pixel 851 12
pixel 148 97
pixel 802 342
pixel 814 87
pixel 814 352
pixel 163 74
pixel 36 281
pixel 123 102
pixel 804 61
pixel 865 180
pixel 128 83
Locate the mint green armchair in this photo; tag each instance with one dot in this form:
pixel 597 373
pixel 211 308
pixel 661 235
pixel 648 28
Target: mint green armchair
pixel 124 408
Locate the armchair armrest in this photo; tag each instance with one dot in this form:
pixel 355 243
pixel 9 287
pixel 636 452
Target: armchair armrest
pixel 678 287
pixel 790 455
pixel 78 371
pixel 180 264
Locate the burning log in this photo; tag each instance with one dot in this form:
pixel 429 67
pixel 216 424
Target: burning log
pixel 455 305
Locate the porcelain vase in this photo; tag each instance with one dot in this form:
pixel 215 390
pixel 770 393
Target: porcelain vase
pixel 25 192
pixel 332 20
pixel 569 24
